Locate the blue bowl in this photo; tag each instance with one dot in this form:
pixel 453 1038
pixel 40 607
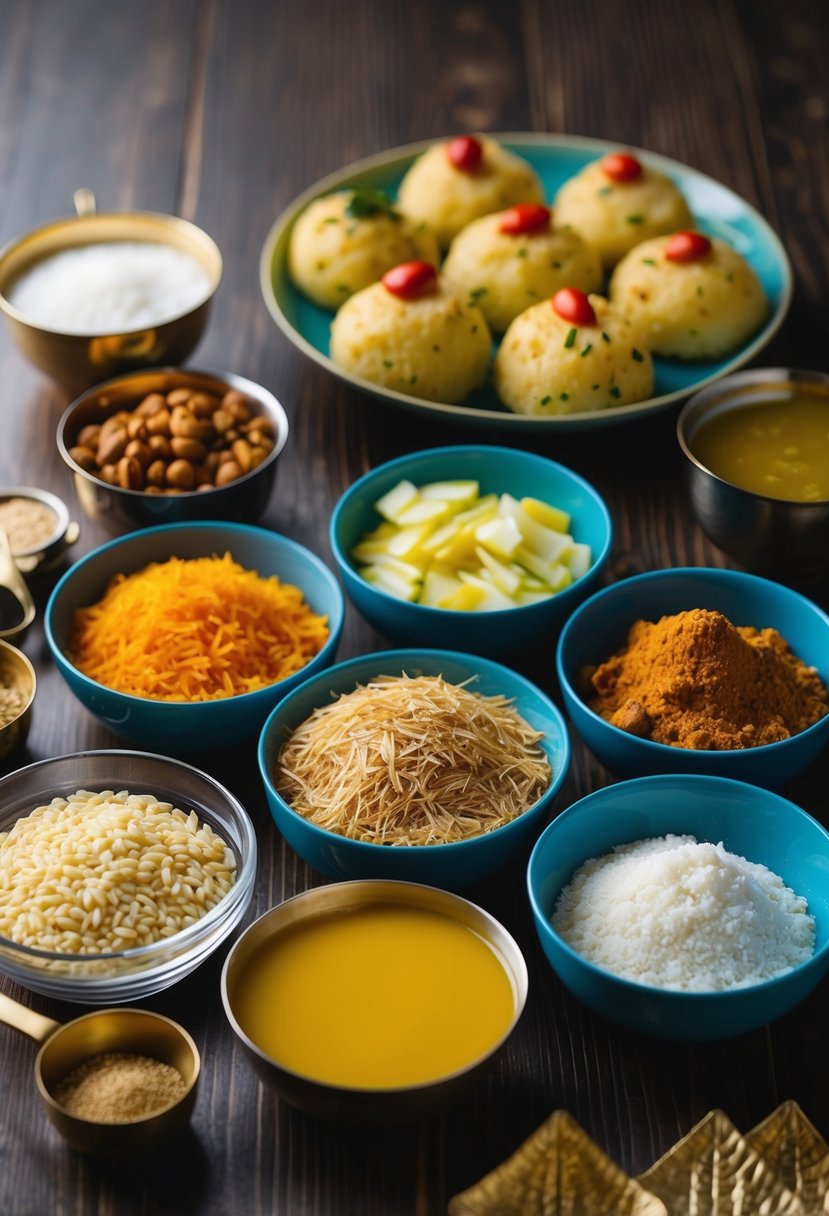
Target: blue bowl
pixel 600 626
pixel 449 866
pixel 498 470
pixel 185 726
pixel 750 821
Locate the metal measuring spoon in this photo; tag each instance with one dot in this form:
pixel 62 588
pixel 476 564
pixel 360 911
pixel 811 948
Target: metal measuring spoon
pixel 17 608
pixel 66 1045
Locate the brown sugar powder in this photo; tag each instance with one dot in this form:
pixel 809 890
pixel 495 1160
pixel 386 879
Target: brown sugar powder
pixel 119 1087
pixel 696 680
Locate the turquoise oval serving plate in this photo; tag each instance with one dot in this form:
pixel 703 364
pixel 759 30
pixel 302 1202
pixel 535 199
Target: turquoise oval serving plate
pixel 555 158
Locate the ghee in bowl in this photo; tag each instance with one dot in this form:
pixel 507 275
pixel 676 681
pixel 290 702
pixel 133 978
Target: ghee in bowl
pixel 779 447
pixel 373 998
pixel 756 448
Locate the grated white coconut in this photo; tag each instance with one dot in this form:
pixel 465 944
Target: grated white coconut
pixel 110 287
pixel 675 913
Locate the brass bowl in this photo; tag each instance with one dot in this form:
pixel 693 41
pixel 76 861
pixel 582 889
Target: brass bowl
pixel 16 671
pixel 371 1106
pixel 77 361
pixel 133 1031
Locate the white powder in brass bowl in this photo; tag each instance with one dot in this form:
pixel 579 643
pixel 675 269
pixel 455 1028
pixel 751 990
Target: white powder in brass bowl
pixel 110 287
pixel 675 913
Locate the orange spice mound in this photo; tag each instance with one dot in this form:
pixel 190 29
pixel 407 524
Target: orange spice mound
pixel 195 630
pixel 696 680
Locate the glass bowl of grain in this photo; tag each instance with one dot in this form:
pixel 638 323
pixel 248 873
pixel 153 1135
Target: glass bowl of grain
pixel 152 867
pixel 426 766
pixel 91 295
pixel 632 889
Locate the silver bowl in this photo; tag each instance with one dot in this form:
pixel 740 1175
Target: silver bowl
pixel 370 1106
pixel 771 536
pixel 120 510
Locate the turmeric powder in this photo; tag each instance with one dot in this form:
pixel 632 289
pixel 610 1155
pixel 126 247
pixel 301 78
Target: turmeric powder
pixel 696 680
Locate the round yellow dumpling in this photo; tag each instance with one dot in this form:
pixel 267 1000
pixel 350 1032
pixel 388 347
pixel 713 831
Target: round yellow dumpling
pixel 614 214
pixel 700 308
pixel 436 346
pixel 546 365
pixel 505 272
pixel 349 239
pixel 445 197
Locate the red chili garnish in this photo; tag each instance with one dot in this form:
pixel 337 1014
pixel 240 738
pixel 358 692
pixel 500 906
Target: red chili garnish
pixel 525 218
pixel 621 167
pixel 573 305
pixel 465 152
pixel 410 279
pixel 687 247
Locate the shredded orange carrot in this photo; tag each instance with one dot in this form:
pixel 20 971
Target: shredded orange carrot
pixel 195 630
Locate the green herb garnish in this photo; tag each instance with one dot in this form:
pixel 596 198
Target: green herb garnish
pixel 603 191
pixel 587 349
pixel 476 293
pixel 564 396
pixel 571 337
pixel 648 262
pixel 638 356
pixel 605 337
pixel 545 400
pixel 634 219
pixel 366 202
pixel 615 393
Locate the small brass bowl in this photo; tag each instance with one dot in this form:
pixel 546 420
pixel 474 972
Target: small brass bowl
pixel 16 672
pixel 77 361
pixel 133 1031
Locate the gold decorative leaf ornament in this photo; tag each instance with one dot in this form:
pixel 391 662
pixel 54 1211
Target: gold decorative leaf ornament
pixel 558 1171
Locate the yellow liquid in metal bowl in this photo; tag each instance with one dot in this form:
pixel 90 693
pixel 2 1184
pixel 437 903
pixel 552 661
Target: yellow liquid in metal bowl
pixel 380 997
pixel 777 448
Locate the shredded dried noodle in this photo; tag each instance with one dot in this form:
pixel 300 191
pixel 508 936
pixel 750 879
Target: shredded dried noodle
pixel 409 761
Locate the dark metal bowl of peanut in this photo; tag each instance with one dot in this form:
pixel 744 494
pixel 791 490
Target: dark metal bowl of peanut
pixel 170 445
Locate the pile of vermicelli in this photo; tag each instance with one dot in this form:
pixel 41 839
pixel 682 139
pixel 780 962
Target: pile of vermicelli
pixel 195 630
pixel 407 761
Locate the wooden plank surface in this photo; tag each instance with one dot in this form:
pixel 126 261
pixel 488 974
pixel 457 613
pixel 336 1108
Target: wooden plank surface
pixel 222 112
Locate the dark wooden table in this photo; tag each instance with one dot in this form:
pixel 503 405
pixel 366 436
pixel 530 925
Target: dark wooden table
pixel 222 111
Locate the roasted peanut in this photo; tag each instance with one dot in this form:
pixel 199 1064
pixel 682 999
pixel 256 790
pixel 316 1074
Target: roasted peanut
pixel 85 458
pixel 109 474
pixel 112 445
pixel 241 454
pixel 88 436
pixel 222 421
pixel 159 423
pixel 178 396
pixel 188 449
pixel 130 473
pixel 227 472
pixel 180 475
pixel 136 450
pixel 157 474
pixel 151 404
pixel 137 427
pixel 203 404
pixel 159 445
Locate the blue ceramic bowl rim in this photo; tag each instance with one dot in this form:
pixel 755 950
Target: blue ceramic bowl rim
pixel 393 656
pixel 460 450
pixel 651 990
pixel 720 575
pixel 335 626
